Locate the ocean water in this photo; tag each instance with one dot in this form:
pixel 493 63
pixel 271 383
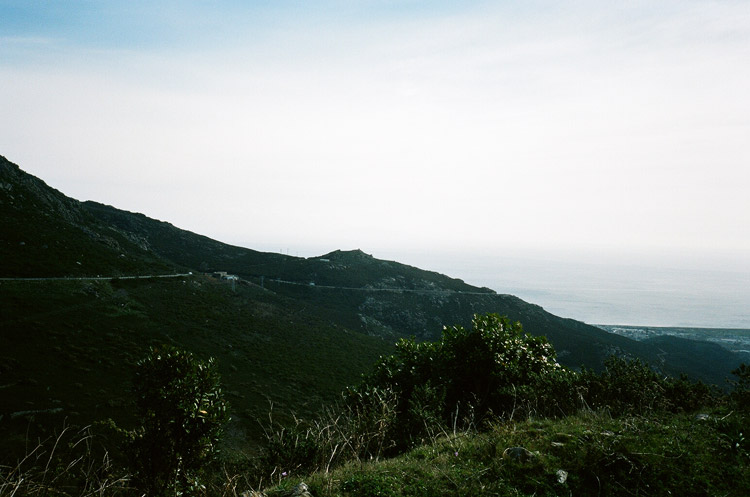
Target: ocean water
pixel 708 292
pixel 672 290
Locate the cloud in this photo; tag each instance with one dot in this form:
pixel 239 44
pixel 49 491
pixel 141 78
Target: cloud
pixel 544 125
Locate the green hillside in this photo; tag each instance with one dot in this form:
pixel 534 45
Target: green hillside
pixel 43 233
pixel 68 348
pixel 588 454
pixel 391 300
pixel 294 331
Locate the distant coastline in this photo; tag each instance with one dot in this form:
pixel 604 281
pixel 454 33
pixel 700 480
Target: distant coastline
pixel 648 292
pixel 733 339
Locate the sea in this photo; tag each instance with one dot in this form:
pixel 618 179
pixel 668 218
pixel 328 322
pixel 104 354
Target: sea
pixel 667 291
pixel 659 289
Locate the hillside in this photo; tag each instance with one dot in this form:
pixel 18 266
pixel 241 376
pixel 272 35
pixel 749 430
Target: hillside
pixel 294 332
pixel 586 454
pixel 45 233
pixel 391 300
pixel 68 348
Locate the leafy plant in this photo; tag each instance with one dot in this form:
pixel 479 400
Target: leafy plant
pixel 633 387
pixel 741 387
pixel 182 411
pixel 491 368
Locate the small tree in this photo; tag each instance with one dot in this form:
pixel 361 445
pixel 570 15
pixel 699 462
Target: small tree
pixel 741 387
pixel 492 367
pixel 182 411
pixel 495 365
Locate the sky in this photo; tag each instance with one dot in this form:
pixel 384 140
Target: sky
pixel 603 129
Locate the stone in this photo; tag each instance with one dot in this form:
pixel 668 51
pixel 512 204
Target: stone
pixel 252 493
pixel 520 454
pixel 301 490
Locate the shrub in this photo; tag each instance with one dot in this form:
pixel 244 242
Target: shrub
pixel 683 395
pixel 358 428
pixel 491 368
pixel 494 365
pixel 740 395
pixel 624 387
pixel 182 411
pixel 471 378
pixel 632 387
pixel 291 449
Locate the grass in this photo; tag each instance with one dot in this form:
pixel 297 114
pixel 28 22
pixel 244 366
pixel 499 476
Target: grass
pixel 586 454
pixel 68 347
pixel 68 463
pixel 67 350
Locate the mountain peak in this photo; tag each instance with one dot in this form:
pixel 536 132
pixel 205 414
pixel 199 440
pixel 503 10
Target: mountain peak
pixel 355 254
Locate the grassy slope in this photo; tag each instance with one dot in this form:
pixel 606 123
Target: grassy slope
pixel 71 345
pixel 43 233
pixel 647 456
pixel 431 301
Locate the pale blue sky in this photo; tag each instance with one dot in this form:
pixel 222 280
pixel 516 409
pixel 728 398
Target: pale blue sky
pixel 612 127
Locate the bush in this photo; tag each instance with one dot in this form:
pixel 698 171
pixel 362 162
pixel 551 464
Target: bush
pixel 491 368
pixel 471 378
pixel 633 387
pixel 358 428
pixel 624 387
pixel 684 395
pixel 182 411
pixel 290 450
pixel 740 395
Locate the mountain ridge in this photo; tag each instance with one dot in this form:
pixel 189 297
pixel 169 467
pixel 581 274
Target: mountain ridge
pixel 276 341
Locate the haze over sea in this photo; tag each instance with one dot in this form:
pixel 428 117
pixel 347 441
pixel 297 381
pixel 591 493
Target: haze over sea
pixel 607 287
pixel 649 291
pixel 424 126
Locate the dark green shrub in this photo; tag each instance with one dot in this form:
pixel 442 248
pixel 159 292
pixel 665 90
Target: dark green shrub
pixel 740 395
pixel 368 418
pixel 683 395
pixel 624 387
pixel 734 435
pixel 361 427
pixel 491 368
pixel 633 387
pixel 182 411
pixel 495 365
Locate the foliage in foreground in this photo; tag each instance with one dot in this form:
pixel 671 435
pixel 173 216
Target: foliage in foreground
pixel 182 411
pixel 495 370
pixel 70 463
pixel 485 411
pixel 489 373
pixel 586 454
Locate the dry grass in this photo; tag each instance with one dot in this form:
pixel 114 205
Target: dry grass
pixel 68 464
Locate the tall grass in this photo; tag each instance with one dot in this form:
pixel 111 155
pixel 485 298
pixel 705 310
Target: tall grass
pixel 70 463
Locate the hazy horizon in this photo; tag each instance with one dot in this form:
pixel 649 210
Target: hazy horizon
pixel 665 290
pixel 542 130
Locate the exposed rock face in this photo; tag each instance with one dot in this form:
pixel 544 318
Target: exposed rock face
pixel 47 234
pixel 19 190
